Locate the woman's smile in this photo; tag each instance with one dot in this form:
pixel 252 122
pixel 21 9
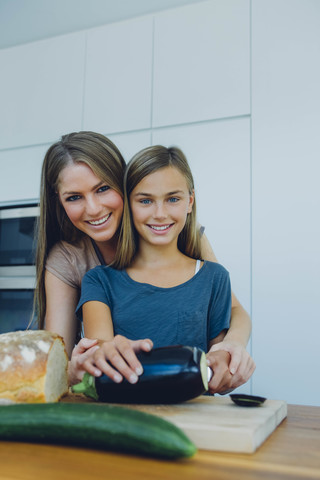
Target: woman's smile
pixel 100 221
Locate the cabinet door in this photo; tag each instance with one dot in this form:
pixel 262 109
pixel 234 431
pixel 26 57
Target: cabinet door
pixel 118 77
pixel 41 89
pixel 131 143
pixel 202 62
pixel 20 173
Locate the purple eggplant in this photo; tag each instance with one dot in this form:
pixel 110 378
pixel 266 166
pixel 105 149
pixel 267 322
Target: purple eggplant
pixel 170 375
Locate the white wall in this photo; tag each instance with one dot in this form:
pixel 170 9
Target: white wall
pixel 286 198
pixel 234 83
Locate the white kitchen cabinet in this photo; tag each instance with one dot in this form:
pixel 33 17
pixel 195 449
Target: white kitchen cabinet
pixel 41 89
pixel 119 76
pixel 131 143
pixel 202 62
pixel 20 173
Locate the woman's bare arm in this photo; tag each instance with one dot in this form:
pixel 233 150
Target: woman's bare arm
pixel 235 341
pixel 61 302
pixel 240 327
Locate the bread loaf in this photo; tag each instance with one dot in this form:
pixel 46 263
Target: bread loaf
pixel 33 367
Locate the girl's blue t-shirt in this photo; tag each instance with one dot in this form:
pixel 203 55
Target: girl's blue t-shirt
pixel 192 313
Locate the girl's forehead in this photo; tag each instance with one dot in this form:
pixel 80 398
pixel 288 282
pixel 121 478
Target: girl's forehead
pixel 168 178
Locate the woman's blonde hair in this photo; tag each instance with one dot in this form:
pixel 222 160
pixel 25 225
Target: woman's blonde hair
pixel 145 162
pixel 106 162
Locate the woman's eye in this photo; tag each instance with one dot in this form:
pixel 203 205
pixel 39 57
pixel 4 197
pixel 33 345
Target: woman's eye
pixel 173 199
pixel 145 201
pixel 104 188
pixel 73 198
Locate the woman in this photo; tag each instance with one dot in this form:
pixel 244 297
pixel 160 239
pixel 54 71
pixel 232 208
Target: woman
pixel 81 204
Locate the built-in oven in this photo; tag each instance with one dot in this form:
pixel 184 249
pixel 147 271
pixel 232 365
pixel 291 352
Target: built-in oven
pixel 17 265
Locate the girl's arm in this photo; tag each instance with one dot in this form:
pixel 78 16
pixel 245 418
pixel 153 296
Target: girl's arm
pixel 116 355
pixel 61 302
pixel 241 365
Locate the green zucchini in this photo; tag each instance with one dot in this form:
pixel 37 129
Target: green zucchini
pixel 105 427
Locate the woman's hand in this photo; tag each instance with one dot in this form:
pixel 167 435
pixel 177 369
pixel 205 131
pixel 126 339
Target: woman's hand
pixel 117 359
pixel 241 365
pixel 80 353
pixel 221 379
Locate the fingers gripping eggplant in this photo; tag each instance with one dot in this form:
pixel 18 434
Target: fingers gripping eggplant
pixel 170 375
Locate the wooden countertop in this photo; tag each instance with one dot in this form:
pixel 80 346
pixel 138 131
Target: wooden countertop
pixel 291 452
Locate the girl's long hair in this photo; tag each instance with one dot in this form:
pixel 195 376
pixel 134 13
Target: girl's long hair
pixel 106 162
pixel 145 162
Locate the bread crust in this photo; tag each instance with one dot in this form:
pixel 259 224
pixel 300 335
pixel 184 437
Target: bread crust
pixel 23 364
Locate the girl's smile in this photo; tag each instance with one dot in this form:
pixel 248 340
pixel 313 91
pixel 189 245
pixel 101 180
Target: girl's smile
pixel 160 229
pixel 91 205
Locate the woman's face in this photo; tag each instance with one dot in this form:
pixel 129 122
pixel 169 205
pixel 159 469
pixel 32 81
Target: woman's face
pixel 160 204
pixel 91 205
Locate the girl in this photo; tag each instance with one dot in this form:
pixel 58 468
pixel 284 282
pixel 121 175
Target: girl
pixel 81 204
pixel 158 287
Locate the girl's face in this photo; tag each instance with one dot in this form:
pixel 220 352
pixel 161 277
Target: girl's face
pixel 91 205
pixel 160 204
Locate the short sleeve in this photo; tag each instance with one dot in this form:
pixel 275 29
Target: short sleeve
pixel 201 230
pixel 70 262
pixel 92 289
pixel 220 309
pixel 60 263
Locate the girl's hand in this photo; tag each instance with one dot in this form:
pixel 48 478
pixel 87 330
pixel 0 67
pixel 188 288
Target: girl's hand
pixel 221 379
pixel 241 365
pixel 116 358
pixel 80 353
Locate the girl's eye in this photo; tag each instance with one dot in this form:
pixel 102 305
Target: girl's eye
pixel 145 201
pixel 104 188
pixel 173 199
pixel 73 198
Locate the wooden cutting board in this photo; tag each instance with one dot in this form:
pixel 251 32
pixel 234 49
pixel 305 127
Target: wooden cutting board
pixel 216 423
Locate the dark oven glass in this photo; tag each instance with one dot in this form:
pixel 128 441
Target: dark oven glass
pixel 17 227
pixel 15 309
